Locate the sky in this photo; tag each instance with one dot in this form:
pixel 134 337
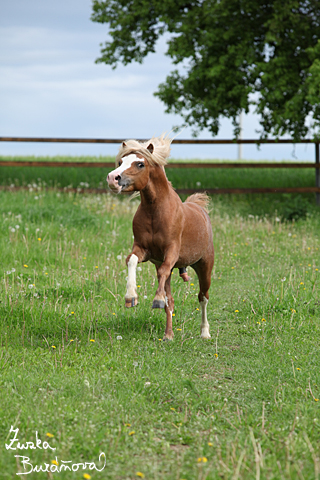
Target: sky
pixel 50 86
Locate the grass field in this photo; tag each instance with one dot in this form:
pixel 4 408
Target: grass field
pixel 91 376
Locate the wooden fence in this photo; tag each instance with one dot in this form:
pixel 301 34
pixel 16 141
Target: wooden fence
pixel 315 165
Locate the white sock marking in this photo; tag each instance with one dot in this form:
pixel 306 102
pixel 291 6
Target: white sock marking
pixel 131 282
pixel 204 321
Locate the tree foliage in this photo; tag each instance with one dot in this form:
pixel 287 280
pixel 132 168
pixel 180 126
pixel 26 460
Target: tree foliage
pixel 230 54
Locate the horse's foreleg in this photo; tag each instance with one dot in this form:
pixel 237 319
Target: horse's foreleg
pixel 137 256
pixel 164 271
pixel 168 335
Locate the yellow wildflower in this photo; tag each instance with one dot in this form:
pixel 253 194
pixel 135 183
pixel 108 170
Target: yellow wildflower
pixel 132 433
pixel 49 435
pixel 140 474
pixel 54 462
pixel 92 340
pixel 202 459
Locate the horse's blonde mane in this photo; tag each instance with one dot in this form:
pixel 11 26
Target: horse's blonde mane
pixel 159 155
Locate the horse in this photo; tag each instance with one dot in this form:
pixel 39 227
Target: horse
pixel 167 232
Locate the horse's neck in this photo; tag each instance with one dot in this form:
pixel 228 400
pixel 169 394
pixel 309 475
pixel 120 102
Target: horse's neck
pixel 157 190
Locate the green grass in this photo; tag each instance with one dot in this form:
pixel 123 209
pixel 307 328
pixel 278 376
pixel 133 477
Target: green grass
pixel 186 178
pixel 245 401
pixel 287 206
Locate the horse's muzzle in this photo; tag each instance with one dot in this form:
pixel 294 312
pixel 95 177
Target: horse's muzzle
pixel 124 182
pixel 113 182
pixel 118 183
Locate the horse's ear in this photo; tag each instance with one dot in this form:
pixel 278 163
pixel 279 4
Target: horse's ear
pixel 124 144
pixel 150 147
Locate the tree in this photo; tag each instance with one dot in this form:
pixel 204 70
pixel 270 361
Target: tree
pixel 231 53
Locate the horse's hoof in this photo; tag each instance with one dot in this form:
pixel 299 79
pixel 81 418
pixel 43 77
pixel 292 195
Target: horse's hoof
pixel 167 339
pixel 205 335
pixel 131 302
pixel 158 304
pixel 185 277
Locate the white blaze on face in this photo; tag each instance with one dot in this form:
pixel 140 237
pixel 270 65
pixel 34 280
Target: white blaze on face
pixel 126 163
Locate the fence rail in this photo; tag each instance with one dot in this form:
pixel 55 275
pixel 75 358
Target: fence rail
pixel 9 163
pixel 316 165
pixel 177 141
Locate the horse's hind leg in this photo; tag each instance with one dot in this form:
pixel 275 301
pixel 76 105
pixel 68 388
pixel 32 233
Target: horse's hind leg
pixel 203 271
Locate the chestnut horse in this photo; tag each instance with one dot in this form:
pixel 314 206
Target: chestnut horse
pixel 167 232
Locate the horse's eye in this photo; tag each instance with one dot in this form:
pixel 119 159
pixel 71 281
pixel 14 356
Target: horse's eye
pixel 140 165
pixel 119 163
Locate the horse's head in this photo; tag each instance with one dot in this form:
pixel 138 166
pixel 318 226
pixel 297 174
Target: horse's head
pixel 131 175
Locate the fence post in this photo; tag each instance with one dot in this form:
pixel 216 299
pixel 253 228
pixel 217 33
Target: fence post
pixel 317 173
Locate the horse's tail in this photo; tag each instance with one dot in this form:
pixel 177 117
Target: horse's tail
pixel 201 199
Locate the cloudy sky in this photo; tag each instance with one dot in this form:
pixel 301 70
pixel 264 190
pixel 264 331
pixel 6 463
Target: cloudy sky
pixel 51 87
